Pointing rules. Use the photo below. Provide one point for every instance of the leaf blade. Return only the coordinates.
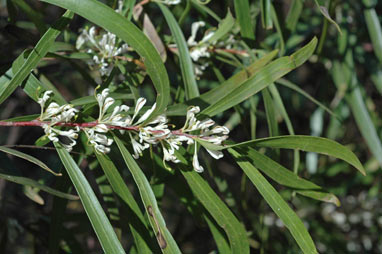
(165, 240)
(278, 205)
(262, 79)
(186, 65)
(100, 223)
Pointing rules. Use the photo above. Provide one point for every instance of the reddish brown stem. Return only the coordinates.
(89, 125)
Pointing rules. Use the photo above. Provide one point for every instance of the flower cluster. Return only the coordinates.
(143, 130)
(103, 47)
(54, 114)
(200, 50)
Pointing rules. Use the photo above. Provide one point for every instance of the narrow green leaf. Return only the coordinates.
(278, 204)
(186, 66)
(294, 14)
(374, 27)
(266, 16)
(322, 196)
(271, 114)
(266, 76)
(101, 224)
(218, 235)
(308, 144)
(356, 101)
(244, 18)
(165, 240)
(225, 26)
(36, 55)
(57, 215)
(108, 19)
(22, 118)
(281, 108)
(137, 223)
(325, 13)
(235, 231)
(279, 31)
(295, 87)
(214, 95)
(205, 10)
(28, 158)
(32, 86)
(29, 182)
(275, 171)
(219, 211)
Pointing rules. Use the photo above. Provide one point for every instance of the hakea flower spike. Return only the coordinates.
(142, 133)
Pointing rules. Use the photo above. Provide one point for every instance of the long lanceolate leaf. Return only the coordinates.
(28, 158)
(278, 204)
(107, 18)
(137, 223)
(32, 183)
(93, 209)
(35, 56)
(214, 95)
(347, 76)
(285, 177)
(277, 172)
(262, 79)
(374, 27)
(308, 144)
(244, 18)
(186, 66)
(219, 211)
(165, 240)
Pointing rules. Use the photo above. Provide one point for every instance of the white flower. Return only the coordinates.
(140, 103)
(81, 39)
(146, 114)
(44, 98)
(215, 154)
(215, 136)
(198, 52)
(190, 118)
(195, 161)
(104, 102)
(100, 142)
(101, 128)
(105, 47)
(169, 154)
(54, 112)
(137, 147)
(117, 117)
(194, 30)
(53, 135)
(120, 6)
